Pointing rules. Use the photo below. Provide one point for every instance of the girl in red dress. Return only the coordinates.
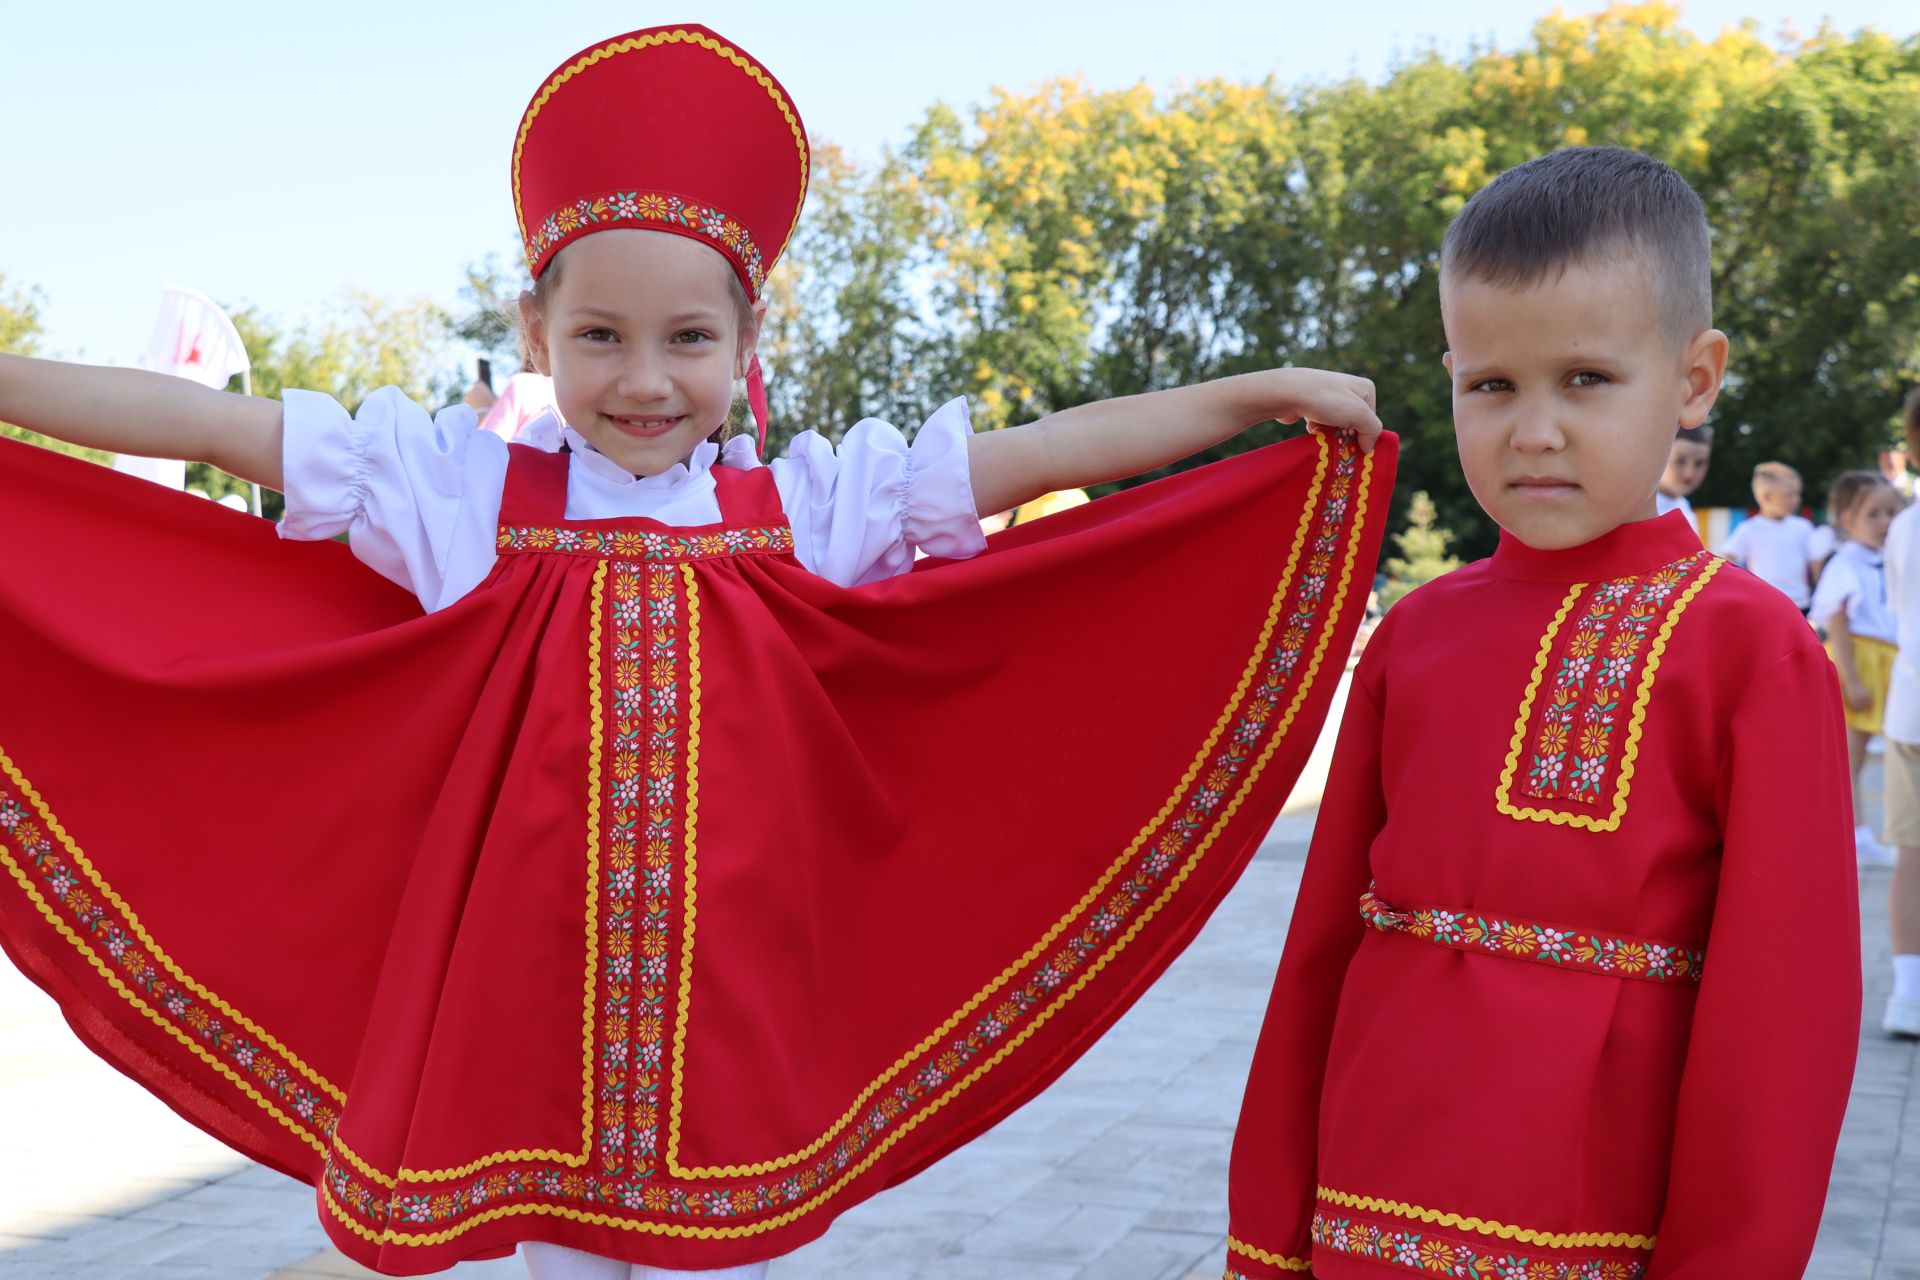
(612, 872)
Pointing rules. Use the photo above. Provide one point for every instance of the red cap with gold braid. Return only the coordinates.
(667, 129)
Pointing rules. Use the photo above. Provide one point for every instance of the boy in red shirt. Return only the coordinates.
(1572, 988)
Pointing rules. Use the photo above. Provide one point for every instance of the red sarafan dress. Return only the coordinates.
(1572, 988)
(655, 898)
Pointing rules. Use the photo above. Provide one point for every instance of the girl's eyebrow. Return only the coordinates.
(683, 317)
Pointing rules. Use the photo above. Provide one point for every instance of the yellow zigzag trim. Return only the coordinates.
(1434, 1217)
(140, 930)
(1631, 753)
(1087, 975)
(1271, 1259)
(1093, 895)
(687, 923)
(738, 59)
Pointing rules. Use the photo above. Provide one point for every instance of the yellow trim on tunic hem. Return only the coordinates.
(1504, 1231)
(1270, 1259)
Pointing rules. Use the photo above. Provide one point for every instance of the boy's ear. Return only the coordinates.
(1703, 367)
(1446, 362)
(534, 325)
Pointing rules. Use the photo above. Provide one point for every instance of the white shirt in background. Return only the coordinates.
(1775, 551)
(1663, 504)
(1902, 556)
(1855, 580)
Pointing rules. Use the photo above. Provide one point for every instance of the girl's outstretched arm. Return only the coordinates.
(1113, 439)
(147, 414)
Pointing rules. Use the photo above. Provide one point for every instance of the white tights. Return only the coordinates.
(554, 1262)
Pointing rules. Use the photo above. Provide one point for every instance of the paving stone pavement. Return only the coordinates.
(1117, 1172)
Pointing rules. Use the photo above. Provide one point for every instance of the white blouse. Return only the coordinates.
(419, 497)
(1855, 580)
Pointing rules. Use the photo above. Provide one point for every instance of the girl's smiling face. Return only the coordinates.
(643, 333)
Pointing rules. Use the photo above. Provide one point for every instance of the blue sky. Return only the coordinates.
(282, 154)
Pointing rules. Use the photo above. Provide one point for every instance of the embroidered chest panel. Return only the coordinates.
(1577, 735)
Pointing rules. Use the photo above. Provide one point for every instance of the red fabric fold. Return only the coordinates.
(658, 898)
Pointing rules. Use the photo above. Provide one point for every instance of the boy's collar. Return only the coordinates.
(1625, 552)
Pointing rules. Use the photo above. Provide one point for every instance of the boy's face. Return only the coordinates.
(1686, 468)
(1777, 499)
(1566, 395)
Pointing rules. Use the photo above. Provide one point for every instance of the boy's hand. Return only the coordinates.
(1328, 401)
(1859, 697)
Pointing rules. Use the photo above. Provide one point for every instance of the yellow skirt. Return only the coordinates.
(1873, 659)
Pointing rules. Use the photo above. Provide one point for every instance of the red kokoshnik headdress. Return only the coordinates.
(666, 129)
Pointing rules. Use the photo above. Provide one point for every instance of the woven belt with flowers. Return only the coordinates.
(1518, 939)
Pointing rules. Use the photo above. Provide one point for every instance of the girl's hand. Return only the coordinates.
(1328, 401)
(1859, 697)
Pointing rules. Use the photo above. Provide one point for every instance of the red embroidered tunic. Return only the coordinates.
(646, 926)
(1572, 988)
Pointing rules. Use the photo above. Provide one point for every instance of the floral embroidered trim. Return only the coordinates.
(638, 208)
(626, 544)
(1261, 1256)
(1275, 684)
(1571, 730)
(1432, 1252)
(1614, 954)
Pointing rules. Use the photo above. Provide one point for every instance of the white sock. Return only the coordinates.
(556, 1262)
(1863, 834)
(1906, 977)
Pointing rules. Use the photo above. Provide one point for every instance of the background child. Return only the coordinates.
(1500, 1042)
(1686, 470)
(1776, 545)
(1850, 608)
(456, 984)
(1902, 760)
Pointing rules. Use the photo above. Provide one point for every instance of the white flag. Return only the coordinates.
(194, 339)
(191, 339)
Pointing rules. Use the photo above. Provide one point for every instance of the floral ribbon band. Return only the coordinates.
(1616, 955)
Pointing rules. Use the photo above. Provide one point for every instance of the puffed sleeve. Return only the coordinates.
(395, 480)
(859, 512)
(1777, 1022)
(1271, 1186)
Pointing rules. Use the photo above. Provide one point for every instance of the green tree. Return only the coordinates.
(844, 336)
(489, 319)
(1423, 552)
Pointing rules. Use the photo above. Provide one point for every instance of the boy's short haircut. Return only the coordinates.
(1581, 205)
(1695, 435)
(1775, 473)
